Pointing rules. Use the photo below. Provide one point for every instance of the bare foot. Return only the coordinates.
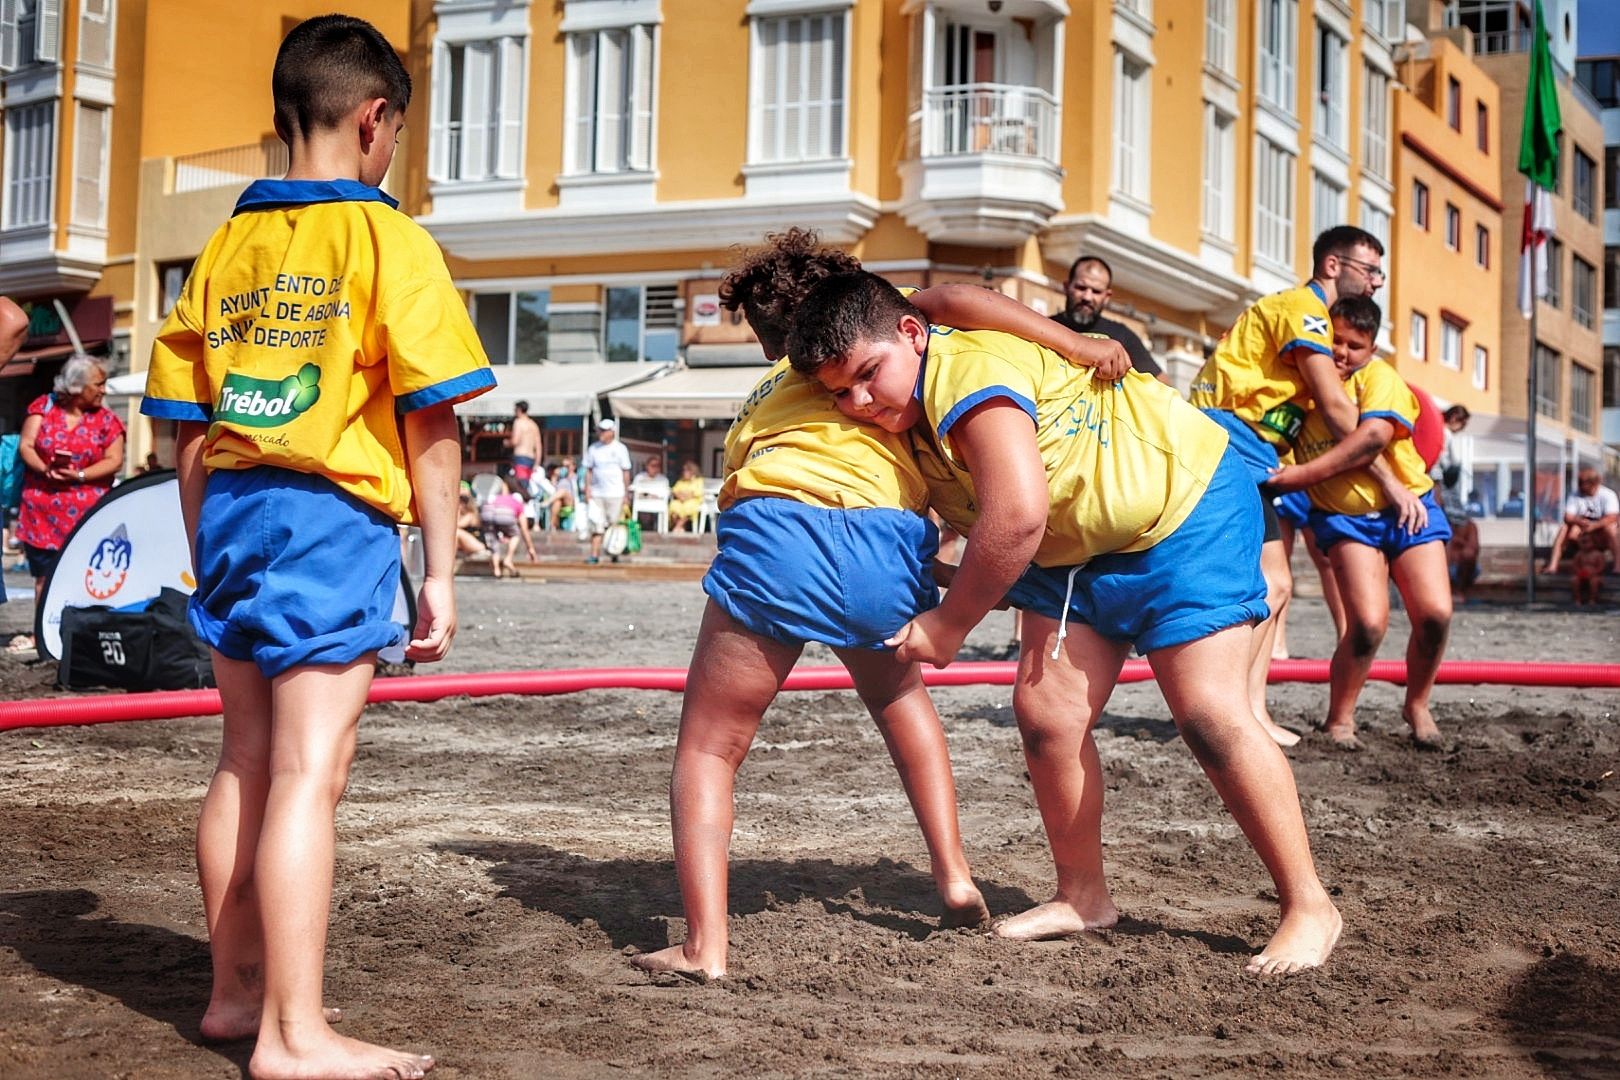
(1056, 919)
(1303, 941)
(330, 1056)
(1425, 733)
(1343, 736)
(1279, 651)
(675, 961)
(227, 1022)
(964, 907)
(1279, 734)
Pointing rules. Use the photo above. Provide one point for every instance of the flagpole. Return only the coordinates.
(1530, 450)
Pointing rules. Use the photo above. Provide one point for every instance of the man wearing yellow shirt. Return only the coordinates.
(1259, 384)
(1143, 529)
(1362, 533)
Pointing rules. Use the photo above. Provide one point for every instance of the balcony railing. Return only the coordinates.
(986, 118)
(231, 166)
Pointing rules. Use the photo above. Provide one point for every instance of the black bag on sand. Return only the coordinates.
(153, 649)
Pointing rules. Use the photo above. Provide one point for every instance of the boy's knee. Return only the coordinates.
(1429, 630)
(1364, 638)
(1279, 591)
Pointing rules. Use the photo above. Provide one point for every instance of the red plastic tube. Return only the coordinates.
(171, 704)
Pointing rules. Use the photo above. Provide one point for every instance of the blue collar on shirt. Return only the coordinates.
(1315, 287)
(271, 194)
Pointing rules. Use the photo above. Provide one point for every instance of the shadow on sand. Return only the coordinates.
(1565, 1010)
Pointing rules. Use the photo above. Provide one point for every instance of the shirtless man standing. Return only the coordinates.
(525, 443)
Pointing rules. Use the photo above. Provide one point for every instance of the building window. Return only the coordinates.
(1420, 204)
(1555, 273)
(515, 327)
(1547, 381)
(1453, 103)
(30, 164)
(1274, 209)
(1453, 228)
(1482, 247)
(1383, 18)
(1131, 126)
(1581, 380)
(477, 123)
(30, 33)
(1611, 377)
(1451, 344)
(1279, 21)
(1585, 194)
(1611, 178)
(1482, 367)
(1482, 127)
(1332, 85)
(1219, 172)
(96, 34)
(1218, 35)
(1558, 176)
(611, 100)
(1419, 345)
(1611, 279)
(642, 323)
(1376, 221)
(1375, 125)
(798, 88)
(1327, 204)
(92, 136)
(1583, 289)
(171, 282)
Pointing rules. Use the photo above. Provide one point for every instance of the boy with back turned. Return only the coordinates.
(312, 362)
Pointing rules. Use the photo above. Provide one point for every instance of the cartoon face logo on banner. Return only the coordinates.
(109, 565)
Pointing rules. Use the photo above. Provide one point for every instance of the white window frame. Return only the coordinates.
(1453, 227)
(1451, 344)
(43, 23)
(1482, 367)
(1220, 52)
(494, 86)
(1274, 210)
(834, 124)
(1378, 220)
(1133, 129)
(1375, 122)
(593, 147)
(1332, 86)
(30, 167)
(1329, 203)
(1220, 173)
(1418, 344)
(1275, 58)
(91, 174)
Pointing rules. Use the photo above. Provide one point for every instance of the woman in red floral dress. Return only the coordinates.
(73, 447)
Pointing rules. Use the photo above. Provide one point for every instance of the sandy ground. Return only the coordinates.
(499, 858)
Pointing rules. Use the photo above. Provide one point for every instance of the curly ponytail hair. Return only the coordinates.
(769, 283)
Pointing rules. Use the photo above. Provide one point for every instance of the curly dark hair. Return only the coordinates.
(769, 283)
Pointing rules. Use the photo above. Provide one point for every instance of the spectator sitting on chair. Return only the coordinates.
(564, 503)
(686, 499)
(1592, 509)
(468, 525)
(652, 475)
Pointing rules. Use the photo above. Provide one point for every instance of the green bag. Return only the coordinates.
(633, 545)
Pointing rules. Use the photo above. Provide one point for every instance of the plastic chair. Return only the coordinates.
(711, 504)
(484, 485)
(651, 499)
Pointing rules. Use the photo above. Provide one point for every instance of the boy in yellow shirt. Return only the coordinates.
(810, 505)
(1142, 529)
(1362, 533)
(311, 362)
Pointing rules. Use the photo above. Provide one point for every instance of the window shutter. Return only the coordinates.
(476, 109)
(793, 90)
(509, 161)
(95, 35)
(48, 35)
(612, 92)
(90, 166)
(439, 121)
(640, 105)
(8, 35)
(767, 80)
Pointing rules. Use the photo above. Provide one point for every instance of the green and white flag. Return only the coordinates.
(1538, 161)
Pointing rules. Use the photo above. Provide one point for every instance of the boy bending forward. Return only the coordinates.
(312, 362)
(1143, 531)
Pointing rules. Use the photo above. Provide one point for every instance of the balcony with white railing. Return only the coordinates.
(229, 166)
(982, 163)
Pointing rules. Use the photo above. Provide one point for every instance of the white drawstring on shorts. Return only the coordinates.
(1063, 622)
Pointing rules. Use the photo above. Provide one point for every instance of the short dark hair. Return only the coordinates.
(1361, 312)
(1082, 260)
(521, 406)
(840, 313)
(769, 284)
(1457, 412)
(1341, 240)
(330, 64)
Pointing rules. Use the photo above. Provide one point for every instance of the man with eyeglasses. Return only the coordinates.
(1273, 367)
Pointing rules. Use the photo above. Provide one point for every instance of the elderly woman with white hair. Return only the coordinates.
(73, 447)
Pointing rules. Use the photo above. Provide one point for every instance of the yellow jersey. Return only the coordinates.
(312, 319)
(1125, 462)
(790, 441)
(1250, 374)
(1377, 391)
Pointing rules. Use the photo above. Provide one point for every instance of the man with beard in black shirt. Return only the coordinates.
(1088, 289)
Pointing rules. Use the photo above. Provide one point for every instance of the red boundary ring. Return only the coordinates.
(172, 704)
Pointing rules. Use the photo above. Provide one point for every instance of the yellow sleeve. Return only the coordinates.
(177, 376)
(1303, 324)
(434, 355)
(1379, 391)
(967, 378)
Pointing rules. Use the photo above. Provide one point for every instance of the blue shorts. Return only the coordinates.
(1259, 458)
(796, 573)
(1379, 530)
(41, 561)
(293, 571)
(1294, 508)
(1201, 578)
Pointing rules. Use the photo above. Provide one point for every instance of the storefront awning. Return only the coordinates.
(555, 389)
(689, 394)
